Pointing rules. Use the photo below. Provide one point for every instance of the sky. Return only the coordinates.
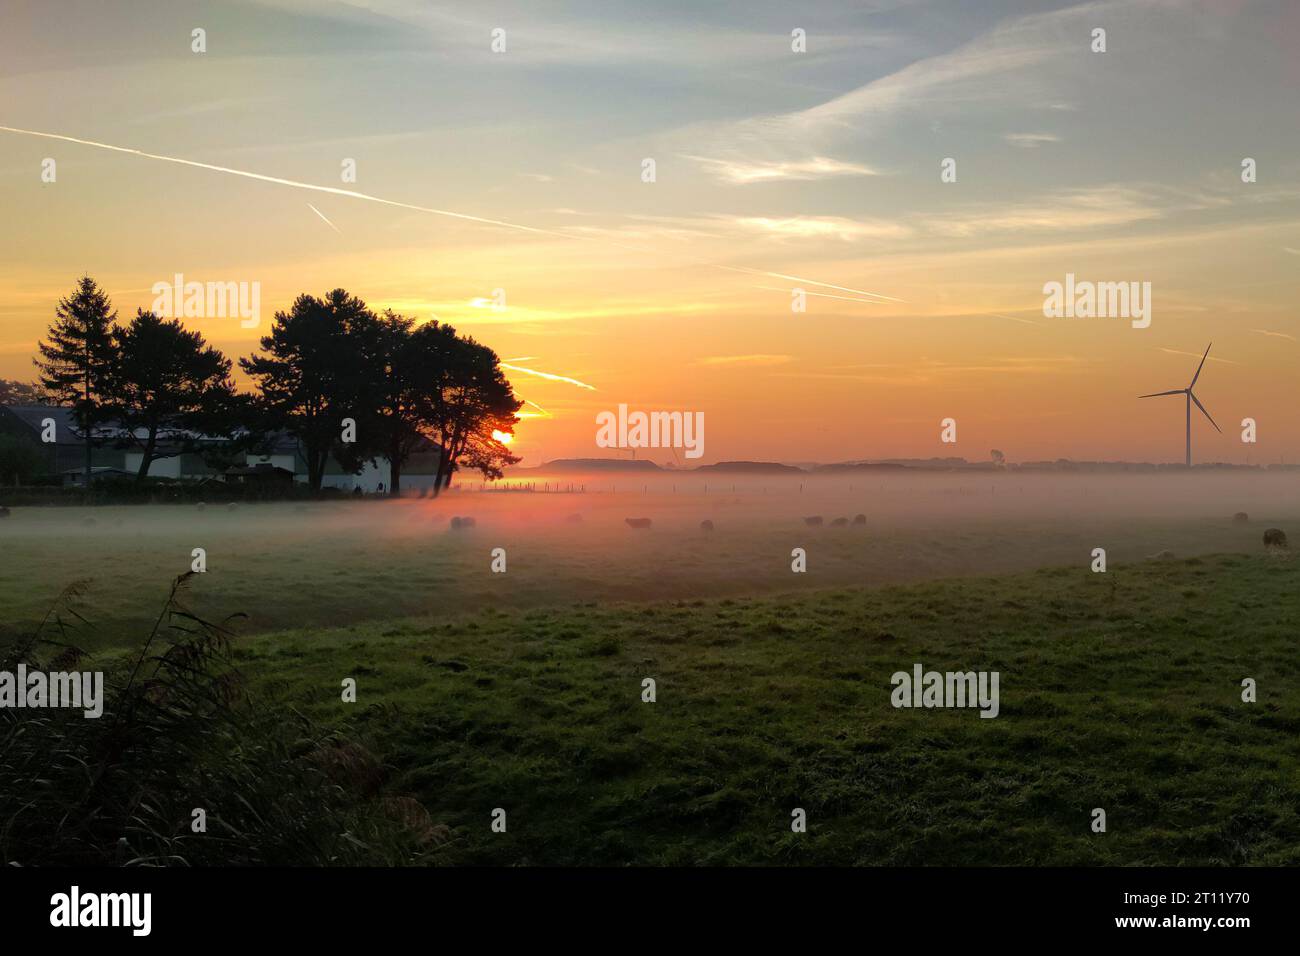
(523, 171)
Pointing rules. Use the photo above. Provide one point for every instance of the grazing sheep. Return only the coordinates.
(202, 506)
(1240, 518)
(1275, 539)
(637, 522)
(4, 512)
(1163, 556)
(461, 523)
(813, 522)
(89, 522)
(840, 523)
(706, 525)
(233, 506)
(859, 519)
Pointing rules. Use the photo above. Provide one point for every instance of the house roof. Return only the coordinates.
(66, 427)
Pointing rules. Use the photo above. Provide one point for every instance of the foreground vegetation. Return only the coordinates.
(183, 767)
(1120, 691)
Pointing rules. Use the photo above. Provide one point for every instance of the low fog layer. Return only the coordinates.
(334, 562)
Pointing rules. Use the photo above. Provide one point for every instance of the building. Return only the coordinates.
(65, 456)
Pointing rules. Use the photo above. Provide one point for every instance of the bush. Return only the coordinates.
(179, 732)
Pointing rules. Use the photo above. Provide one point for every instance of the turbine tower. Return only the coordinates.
(1190, 397)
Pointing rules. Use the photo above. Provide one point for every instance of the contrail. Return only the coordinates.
(353, 194)
(825, 295)
(548, 376)
(824, 285)
(1193, 355)
(544, 412)
(332, 190)
(322, 215)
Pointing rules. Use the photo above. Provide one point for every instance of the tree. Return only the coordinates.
(77, 360)
(410, 361)
(167, 385)
(473, 401)
(21, 393)
(322, 364)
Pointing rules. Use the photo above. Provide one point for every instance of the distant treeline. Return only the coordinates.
(153, 385)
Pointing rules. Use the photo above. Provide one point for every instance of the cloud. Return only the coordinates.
(1031, 140)
(1280, 335)
(1111, 205)
(996, 66)
(745, 360)
(742, 172)
(822, 227)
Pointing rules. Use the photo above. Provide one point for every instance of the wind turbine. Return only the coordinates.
(1190, 398)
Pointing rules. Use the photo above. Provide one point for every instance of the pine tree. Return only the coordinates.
(78, 356)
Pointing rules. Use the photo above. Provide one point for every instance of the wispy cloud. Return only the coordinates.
(1111, 205)
(821, 227)
(1280, 335)
(354, 194)
(745, 360)
(751, 171)
(1031, 140)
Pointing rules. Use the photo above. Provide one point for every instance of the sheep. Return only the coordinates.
(840, 523)
(859, 519)
(637, 522)
(813, 522)
(1240, 518)
(1275, 540)
(706, 525)
(461, 523)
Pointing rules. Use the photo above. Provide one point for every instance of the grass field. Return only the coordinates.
(524, 690)
(1119, 691)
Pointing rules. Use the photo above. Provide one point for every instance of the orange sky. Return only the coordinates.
(824, 166)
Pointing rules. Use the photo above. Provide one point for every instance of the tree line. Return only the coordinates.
(151, 384)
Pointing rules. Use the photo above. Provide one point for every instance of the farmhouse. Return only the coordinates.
(62, 460)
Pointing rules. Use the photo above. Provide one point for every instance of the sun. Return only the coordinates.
(504, 438)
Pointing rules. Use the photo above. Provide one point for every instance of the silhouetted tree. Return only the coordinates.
(473, 400)
(320, 367)
(21, 393)
(167, 385)
(412, 361)
(78, 355)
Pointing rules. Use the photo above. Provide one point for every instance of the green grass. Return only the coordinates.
(1118, 690)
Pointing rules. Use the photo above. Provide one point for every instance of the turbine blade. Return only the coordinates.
(1176, 391)
(1201, 366)
(1207, 414)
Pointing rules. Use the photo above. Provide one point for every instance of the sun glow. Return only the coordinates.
(504, 438)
